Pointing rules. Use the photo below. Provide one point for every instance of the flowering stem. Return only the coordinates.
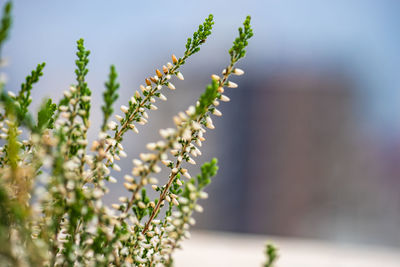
(146, 100)
(163, 194)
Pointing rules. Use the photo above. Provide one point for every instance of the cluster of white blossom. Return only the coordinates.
(52, 188)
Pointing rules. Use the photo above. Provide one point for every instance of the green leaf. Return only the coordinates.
(45, 116)
(208, 170)
(207, 98)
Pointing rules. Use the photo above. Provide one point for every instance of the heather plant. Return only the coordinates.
(52, 181)
(271, 254)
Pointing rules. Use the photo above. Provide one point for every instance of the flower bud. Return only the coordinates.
(158, 72)
(174, 59)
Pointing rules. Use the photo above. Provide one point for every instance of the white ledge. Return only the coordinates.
(208, 249)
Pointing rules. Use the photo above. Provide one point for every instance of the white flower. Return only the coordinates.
(203, 195)
(198, 208)
(198, 152)
(156, 168)
(216, 112)
(176, 222)
(166, 162)
(141, 205)
(215, 77)
(137, 162)
(232, 84)
(224, 98)
(112, 180)
(171, 86)
(191, 187)
(187, 175)
(124, 109)
(151, 146)
(102, 135)
(191, 110)
(124, 251)
(192, 221)
(119, 118)
(237, 71)
(63, 108)
(142, 121)
(209, 123)
(187, 134)
(112, 125)
(130, 186)
(86, 98)
(129, 178)
(164, 133)
(183, 200)
(176, 203)
(97, 193)
(123, 199)
(116, 206)
(133, 127)
(153, 180)
(180, 76)
(65, 115)
(163, 97)
(177, 214)
(67, 94)
(177, 121)
(82, 142)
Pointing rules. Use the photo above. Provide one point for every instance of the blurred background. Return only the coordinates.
(309, 145)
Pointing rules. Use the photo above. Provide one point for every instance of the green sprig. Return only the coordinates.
(109, 96)
(271, 253)
(208, 170)
(207, 98)
(45, 116)
(12, 108)
(6, 21)
(238, 49)
(81, 71)
(200, 36)
(24, 97)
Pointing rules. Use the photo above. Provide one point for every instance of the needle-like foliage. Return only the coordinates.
(51, 187)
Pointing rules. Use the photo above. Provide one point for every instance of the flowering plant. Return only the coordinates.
(51, 186)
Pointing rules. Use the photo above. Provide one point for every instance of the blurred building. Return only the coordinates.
(299, 164)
